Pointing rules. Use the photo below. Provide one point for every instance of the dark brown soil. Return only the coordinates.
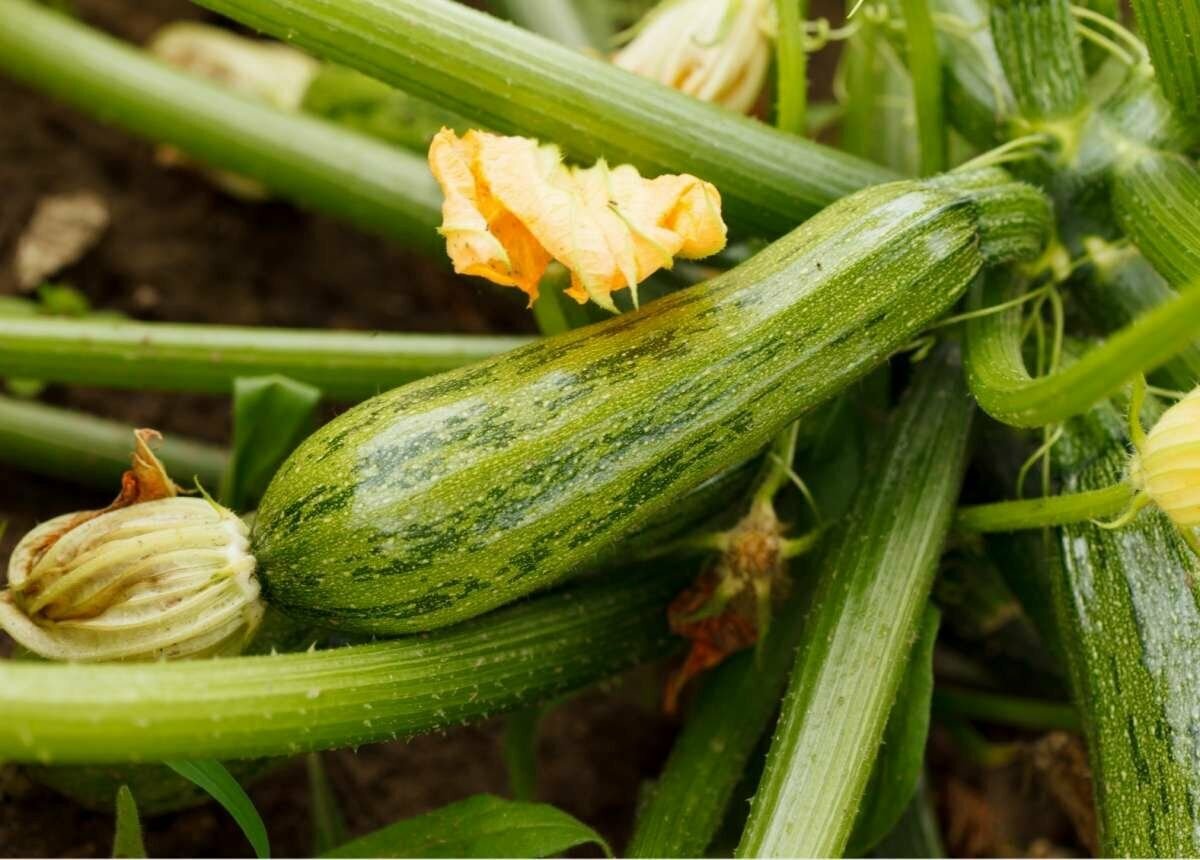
(179, 250)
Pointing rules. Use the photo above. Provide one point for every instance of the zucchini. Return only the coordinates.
(440, 500)
(1126, 609)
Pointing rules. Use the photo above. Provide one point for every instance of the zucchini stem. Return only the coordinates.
(508, 79)
(88, 450)
(1002, 385)
(244, 707)
(208, 358)
(1048, 511)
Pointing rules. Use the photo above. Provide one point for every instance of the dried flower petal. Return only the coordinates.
(511, 206)
(64, 227)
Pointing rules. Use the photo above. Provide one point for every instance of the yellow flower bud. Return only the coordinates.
(511, 206)
(163, 579)
(1167, 465)
(715, 50)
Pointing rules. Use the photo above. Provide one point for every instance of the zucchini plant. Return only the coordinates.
(411, 531)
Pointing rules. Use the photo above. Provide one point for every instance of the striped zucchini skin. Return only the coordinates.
(444, 498)
(1127, 614)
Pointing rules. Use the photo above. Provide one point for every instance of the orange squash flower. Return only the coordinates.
(511, 206)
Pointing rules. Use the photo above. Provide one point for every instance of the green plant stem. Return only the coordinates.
(868, 603)
(520, 752)
(791, 67)
(282, 704)
(1041, 55)
(1048, 511)
(1123, 286)
(1171, 29)
(1001, 383)
(685, 806)
(514, 81)
(184, 357)
(93, 451)
(1033, 714)
(314, 163)
(925, 66)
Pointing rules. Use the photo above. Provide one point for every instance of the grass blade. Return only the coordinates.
(329, 825)
(520, 752)
(480, 826)
(127, 841)
(217, 781)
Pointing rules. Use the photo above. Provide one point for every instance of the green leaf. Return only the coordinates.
(480, 826)
(917, 833)
(901, 758)
(127, 841)
(216, 780)
(520, 751)
(329, 825)
(271, 416)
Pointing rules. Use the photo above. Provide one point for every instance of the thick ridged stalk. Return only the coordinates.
(687, 803)
(1125, 603)
(514, 81)
(183, 357)
(1002, 385)
(243, 707)
(92, 451)
(1040, 54)
(1171, 29)
(1156, 198)
(314, 163)
(867, 607)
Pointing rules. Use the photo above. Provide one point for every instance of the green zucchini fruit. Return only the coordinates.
(1041, 56)
(1126, 609)
(1156, 198)
(440, 500)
